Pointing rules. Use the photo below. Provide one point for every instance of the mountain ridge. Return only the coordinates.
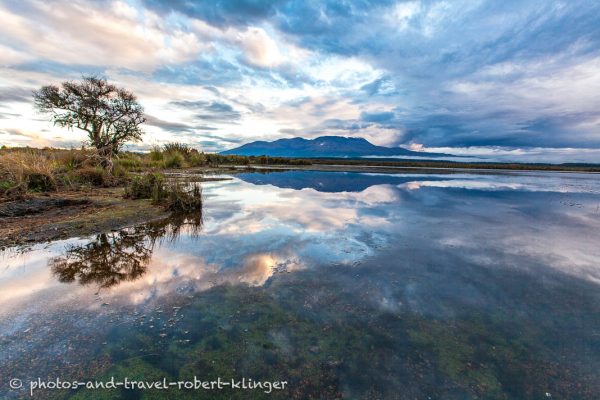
(323, 147)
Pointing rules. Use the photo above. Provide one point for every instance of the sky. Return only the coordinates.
(514, 80)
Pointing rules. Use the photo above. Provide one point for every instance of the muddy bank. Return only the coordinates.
(51, 216)
(62, 215)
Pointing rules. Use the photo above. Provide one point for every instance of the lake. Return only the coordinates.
(342, 284)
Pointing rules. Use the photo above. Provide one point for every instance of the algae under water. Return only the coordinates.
(345, 285)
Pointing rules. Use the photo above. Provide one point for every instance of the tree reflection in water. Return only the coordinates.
(115, 257)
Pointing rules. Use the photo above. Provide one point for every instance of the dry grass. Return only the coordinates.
(24, 171)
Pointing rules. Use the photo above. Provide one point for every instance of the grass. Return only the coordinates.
(183, 149)
(174, 160)
(183, 197)
(30, 170)
(27, 170)
(147, 186)
(176, 196)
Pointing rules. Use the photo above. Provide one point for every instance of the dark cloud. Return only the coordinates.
(176, 126)
(220, 12)
(500, 129)
(207, 72)
(343, 125)
(15, 94)
(381, 86)
(427, 47)
(378, 117)
(210, 110)
(486, 73)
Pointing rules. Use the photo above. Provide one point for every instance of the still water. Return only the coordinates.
(345, 285)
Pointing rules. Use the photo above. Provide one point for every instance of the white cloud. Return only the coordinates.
(84, 33)
(259, 48)
(401, 14)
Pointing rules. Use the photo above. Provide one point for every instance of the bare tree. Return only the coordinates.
(110, 115)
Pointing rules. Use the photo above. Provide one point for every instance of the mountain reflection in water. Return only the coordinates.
(329, 182)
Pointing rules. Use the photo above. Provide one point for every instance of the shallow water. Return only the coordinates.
(345, 285)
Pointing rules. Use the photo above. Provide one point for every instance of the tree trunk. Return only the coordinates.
(105, 155)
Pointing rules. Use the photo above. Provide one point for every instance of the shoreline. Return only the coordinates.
(45, 217)
(64, 215)
(395, 169)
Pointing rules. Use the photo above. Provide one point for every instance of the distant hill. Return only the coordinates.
(323, 147)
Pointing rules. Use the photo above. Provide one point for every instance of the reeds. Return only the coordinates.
(175, 195)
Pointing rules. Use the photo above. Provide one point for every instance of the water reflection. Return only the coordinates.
(329, 182)
(444, 285)
(106, 261)
(112, 258)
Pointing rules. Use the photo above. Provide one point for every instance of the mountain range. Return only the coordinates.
(324, 147)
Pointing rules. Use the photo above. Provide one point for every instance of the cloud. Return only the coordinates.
(15, 94)
(219, 13)
(380, 86)
(260, 49)
(379, 117)
(514, 74)
(90, 33)
(210, 110)
(176, 126)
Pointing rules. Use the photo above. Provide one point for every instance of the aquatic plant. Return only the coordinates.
(177, 196)
(182, 197)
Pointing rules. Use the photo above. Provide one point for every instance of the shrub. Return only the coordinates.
(197, 159)
(28, 170)
(156, 154)
(174, 160)
(147, 186)
(182, 198)
(90, 176)
(39, 181)
(181, 148)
